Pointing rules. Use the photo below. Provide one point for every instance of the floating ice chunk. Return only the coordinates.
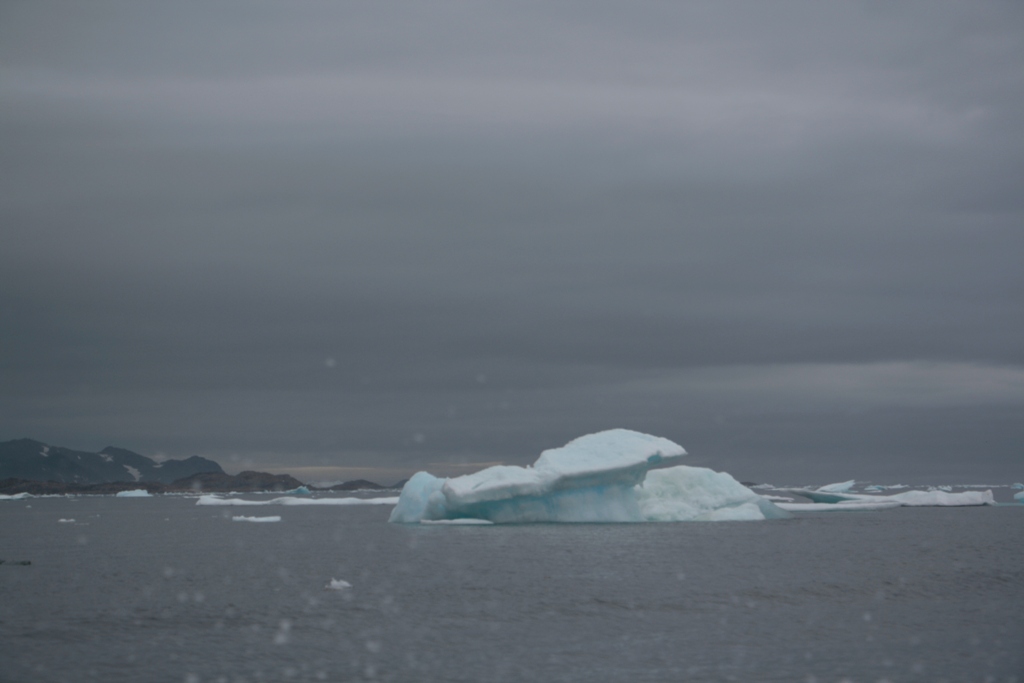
(819, 496)
(852, 505)
(1018, 485)
(300, 491)
(840, 487)
(338, 585)
(134, 493)
(242, 518)
(65, 521)
(1019, 497)
(943, 498)
(933, 498)
(217, 500)
(16, 496)
(390, 500)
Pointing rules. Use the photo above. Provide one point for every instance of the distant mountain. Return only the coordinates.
(37, 461)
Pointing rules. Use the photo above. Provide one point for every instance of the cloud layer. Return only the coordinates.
(320, 235)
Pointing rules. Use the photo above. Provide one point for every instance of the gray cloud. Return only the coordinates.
(509, 225)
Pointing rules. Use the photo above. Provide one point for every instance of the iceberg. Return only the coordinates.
(134, 493)
(1019, 497)
(243, 518)
(602, 477)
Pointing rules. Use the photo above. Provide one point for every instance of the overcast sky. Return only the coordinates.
(361, 239)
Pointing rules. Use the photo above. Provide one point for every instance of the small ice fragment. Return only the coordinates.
(338, 585)
(65, 521)
(243, 518)
(134, 493)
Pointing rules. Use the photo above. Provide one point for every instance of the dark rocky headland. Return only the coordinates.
(29, 466)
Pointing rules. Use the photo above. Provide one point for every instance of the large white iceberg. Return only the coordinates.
(601, 477)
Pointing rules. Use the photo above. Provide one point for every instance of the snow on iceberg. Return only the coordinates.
(134, 493)
(600, 477)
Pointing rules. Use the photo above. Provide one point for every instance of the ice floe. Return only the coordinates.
(602, 477)
(288, 500)
(932, 498)
(854, 505)
(134, 493)
(338, 585)
(242, 518)
(840, 487)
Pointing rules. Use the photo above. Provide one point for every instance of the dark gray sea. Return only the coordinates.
(159, 589)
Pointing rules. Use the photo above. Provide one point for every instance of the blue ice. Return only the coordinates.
(602, 477)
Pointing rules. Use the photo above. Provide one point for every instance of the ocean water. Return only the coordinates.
(159, 589)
